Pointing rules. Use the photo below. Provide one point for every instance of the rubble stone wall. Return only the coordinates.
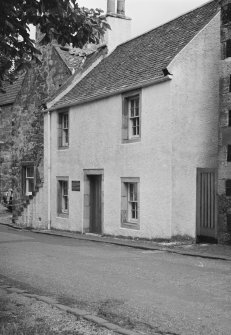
(224, 167)
(40, 82)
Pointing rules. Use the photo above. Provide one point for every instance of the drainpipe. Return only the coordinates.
(49, 168)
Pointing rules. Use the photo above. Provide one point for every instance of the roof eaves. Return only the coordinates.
(109, 94)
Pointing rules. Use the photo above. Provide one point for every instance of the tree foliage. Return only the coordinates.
(62, 20)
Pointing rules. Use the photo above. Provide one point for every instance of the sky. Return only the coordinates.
(148, 14)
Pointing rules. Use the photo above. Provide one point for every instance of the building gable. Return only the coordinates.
(141, 59)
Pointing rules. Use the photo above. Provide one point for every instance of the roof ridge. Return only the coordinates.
(163, 24)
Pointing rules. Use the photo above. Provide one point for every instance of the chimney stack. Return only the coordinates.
(120, 24)
(110, 6)
(121, 7)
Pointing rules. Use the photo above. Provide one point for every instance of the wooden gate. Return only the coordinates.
(206, 205)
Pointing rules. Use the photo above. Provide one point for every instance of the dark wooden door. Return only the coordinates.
(95, 204)
(206, 204)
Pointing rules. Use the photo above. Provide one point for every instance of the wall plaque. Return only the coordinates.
(75, 185)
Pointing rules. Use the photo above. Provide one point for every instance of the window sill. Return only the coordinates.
(63, 215)
(129, 225)
(63, 148)
(132, 140)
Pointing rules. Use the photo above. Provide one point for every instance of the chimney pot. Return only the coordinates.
(121, 7)
(110, 6)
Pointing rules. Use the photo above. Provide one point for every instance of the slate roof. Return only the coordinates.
(140, 59)
(89, 59)
(11, 90)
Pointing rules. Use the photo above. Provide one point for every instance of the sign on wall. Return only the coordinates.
(75, 185)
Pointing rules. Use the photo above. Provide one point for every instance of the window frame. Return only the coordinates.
(63, 129)
(131, 122)
(229, 118)
(63, 196)
(26, 178)
(228, 48)
(228, 153)
(130, 205)
(228, 187)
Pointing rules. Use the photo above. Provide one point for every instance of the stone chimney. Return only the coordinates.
(120, 24)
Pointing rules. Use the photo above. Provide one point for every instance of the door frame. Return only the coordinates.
(86, 200)
(198, 203)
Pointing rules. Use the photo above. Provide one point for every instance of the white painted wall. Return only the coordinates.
(195, 112)
(179, 134)
(96, 143)
(120, 31)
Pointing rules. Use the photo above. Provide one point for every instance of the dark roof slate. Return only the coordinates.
(83, 66)
(11, 91)
(141, 59)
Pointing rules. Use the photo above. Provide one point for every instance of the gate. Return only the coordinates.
(206, 205)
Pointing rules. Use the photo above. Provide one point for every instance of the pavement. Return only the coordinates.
(187, 248)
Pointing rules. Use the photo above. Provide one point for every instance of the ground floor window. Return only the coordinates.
(62, 197)
(130, 212)
(28, 179)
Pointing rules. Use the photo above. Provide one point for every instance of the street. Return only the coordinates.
(148, 291)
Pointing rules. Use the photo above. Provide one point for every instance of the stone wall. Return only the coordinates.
(27, 122)
(224, 167)
(5, 148)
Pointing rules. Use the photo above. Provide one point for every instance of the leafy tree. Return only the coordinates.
(62, 20)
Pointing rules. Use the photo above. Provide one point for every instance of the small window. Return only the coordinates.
(228, 187)
(63, 130)
(63, 199)
(229, 120)
(28, 180)
(229, 153)
(130, 202)
(131, 118)
(228, 48)
(134, 117)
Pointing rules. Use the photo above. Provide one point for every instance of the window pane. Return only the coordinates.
(228, 48)
(229, 153)
(65, 203)
(63, 198)
(228, 187)
(30, 185)
(63, 131)
(30, 171)
(65, 121)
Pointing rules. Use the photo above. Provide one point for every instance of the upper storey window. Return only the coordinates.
(63, 130)
(131, 127)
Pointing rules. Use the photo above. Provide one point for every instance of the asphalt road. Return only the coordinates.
(152, 292)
